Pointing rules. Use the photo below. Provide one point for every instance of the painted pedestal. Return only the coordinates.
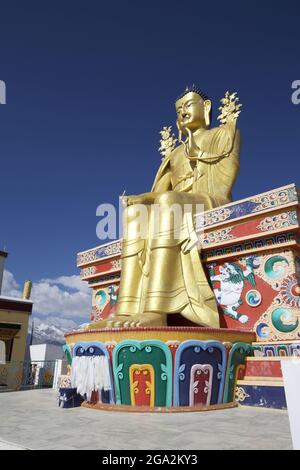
(250, 249)
(182, 367)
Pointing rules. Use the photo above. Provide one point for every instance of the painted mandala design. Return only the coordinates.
(109, 250)
(116, 264)
(290, 291)
(87, 271)
(216, 237)
(277, 323)
(102, 252)
(274, 199)
(278, 221)
(274, 268)
(212, 217)
(87, 257)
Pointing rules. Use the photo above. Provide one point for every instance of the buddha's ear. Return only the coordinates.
(207, 110)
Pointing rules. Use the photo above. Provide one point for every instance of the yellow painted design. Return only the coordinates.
(134, 390)
(165, 335)
(240, 394)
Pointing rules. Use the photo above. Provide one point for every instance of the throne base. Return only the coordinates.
(166, 369)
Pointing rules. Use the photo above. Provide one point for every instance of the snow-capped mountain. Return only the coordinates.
(50, 331)
(44, 333)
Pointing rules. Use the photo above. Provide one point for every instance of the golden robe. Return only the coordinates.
(159, 274)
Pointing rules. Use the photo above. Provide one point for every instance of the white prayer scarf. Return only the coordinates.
(89, 374)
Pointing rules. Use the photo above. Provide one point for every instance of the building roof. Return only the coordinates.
(17, 304)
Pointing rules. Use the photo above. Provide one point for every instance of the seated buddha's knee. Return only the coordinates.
(130, 213)
(135, 222)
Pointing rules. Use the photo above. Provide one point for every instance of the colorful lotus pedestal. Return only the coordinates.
(181, 367)
(251, 252)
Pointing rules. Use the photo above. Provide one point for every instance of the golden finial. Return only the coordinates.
(167, 141)
(27, 290)
(230, 108)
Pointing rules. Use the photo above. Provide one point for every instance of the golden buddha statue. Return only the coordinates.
(163, 274)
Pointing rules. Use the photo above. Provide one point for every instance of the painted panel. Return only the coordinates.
(237, 358)
(104, 302)
(142, 384)
(252, 205)
(259, 292)
(201, 384)
(262, 396)
(263, 368)
(285, 220)
(154, 353)
(190, 356)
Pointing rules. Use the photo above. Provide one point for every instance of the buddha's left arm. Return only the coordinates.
(225, 141)
(163, 184)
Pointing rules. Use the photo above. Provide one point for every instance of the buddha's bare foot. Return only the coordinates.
(97, 325)
(131, 321)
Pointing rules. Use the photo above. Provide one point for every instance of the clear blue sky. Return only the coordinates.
(91, 83)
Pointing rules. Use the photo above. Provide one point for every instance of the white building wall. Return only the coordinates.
(45, 352)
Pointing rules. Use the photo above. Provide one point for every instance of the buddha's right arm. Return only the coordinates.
(145, 198)
(162, 185)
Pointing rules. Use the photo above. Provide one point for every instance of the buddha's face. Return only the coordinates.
(191, 112)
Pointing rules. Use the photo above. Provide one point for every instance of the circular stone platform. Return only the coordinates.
(161, 409)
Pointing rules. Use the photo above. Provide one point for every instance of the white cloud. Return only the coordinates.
(72, 282)
(10, 287)
(52, 297)
(64, 296)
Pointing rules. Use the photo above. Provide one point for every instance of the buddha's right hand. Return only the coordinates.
(146, 198)
(191, 148)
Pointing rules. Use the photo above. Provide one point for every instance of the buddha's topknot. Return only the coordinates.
(193, 89)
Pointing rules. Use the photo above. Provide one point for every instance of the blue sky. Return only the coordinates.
(89, 86)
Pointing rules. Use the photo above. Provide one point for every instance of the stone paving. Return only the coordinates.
(4, 445)
(33, 420)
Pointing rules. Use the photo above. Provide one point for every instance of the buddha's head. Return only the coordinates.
(193, 110)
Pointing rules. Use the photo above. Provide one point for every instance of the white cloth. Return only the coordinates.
(290, 367)
(89, 374)
(2, 352)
